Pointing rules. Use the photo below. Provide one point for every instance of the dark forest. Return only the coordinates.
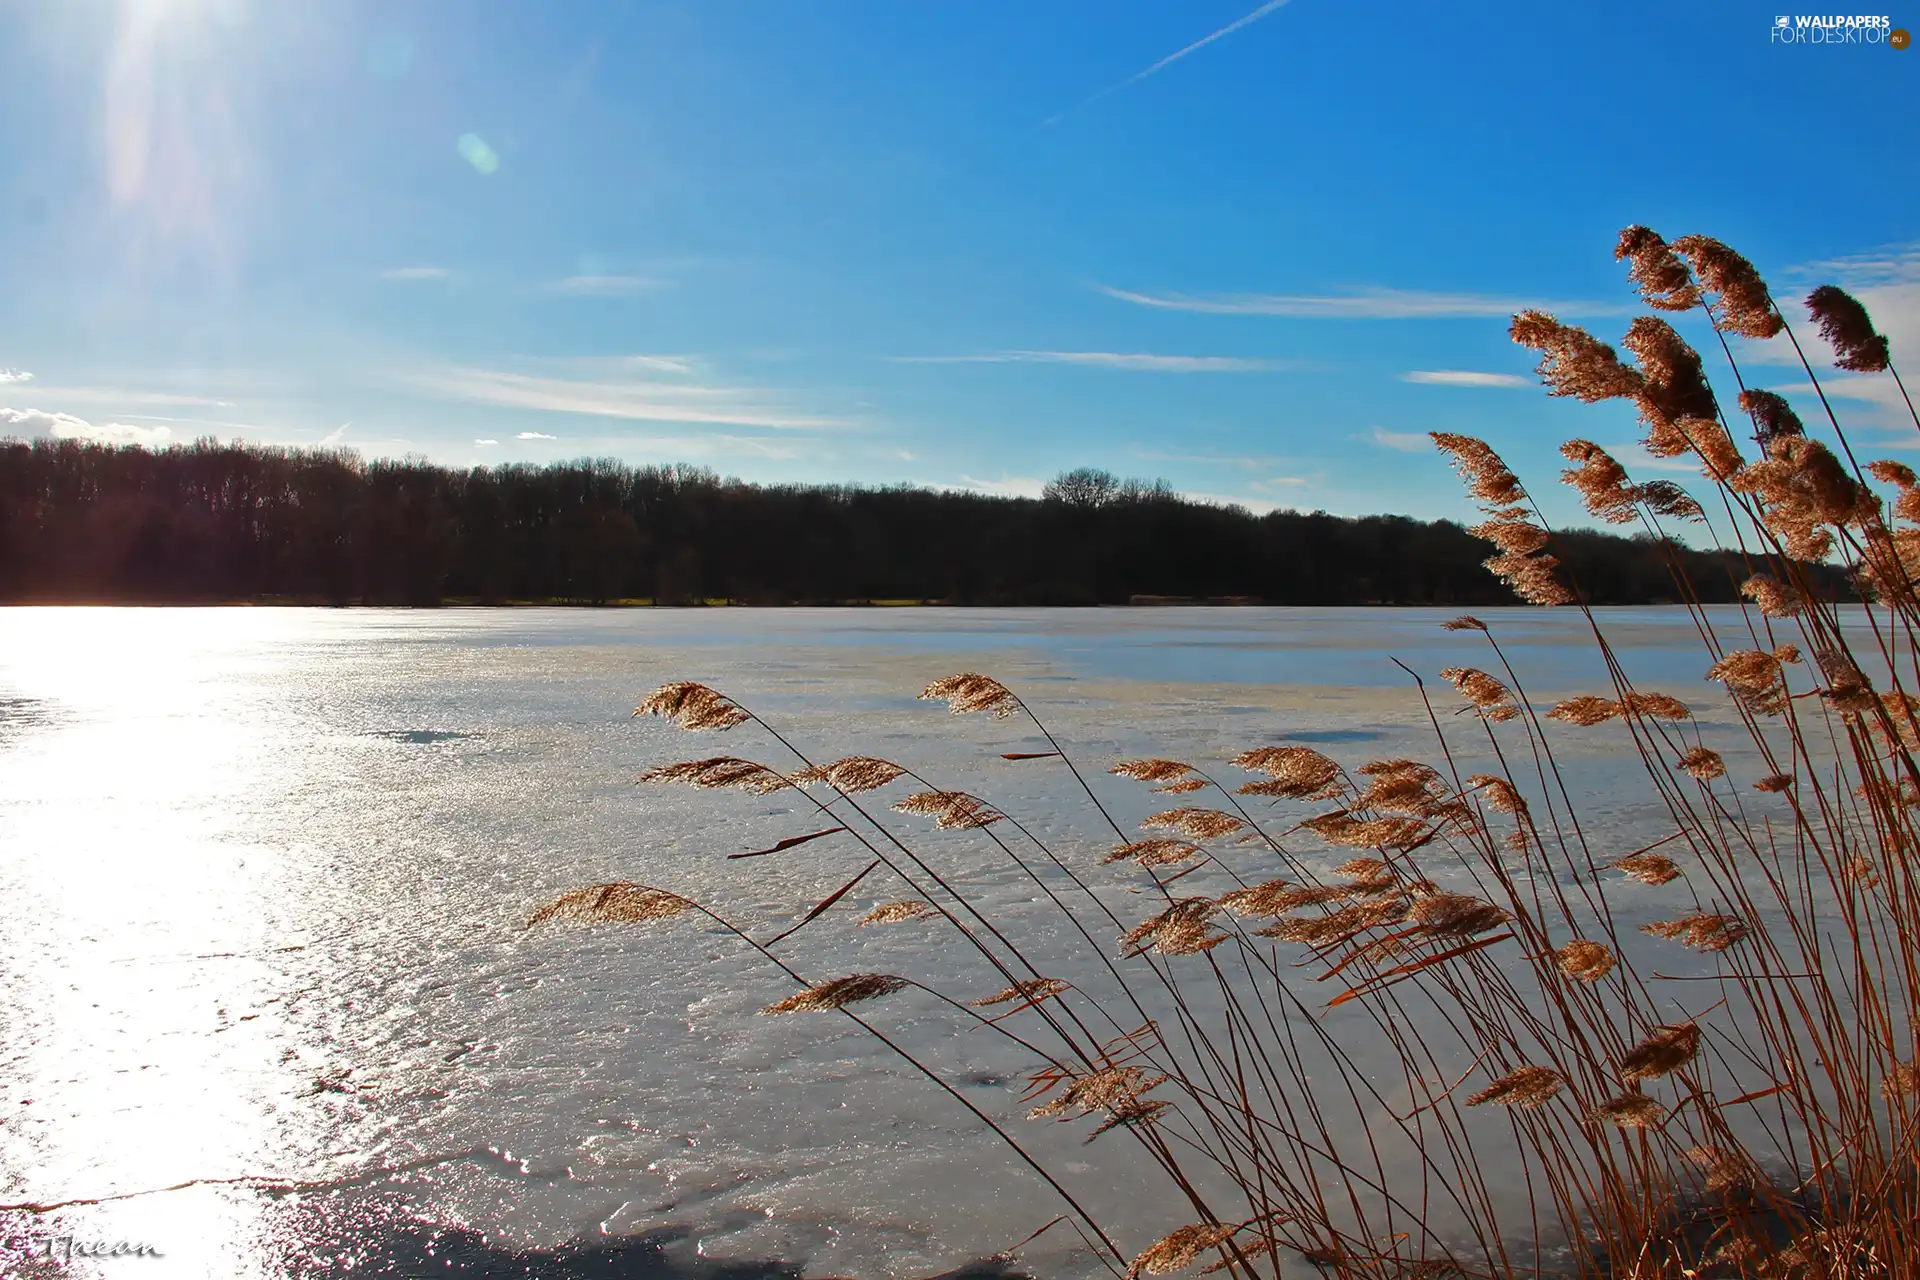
(217, 523)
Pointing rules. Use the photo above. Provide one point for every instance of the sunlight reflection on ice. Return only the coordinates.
(267, 871)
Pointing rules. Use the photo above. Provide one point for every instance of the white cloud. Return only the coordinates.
(1006, 486)
(1112, 360)
(1465, 378)
(1636, 460)
(486, 442)
(605, 286)
(1404, 441)
(535, 435)
(334, 436)
(1885, 280)
(416, 273)
(14, 375)
(1258, 506)
(613, 392)
(39, 424)
(1360, 304)
(1870, 388)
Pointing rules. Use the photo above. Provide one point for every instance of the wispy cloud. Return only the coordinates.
(39, 424)
(124, 396)
(1900, 443)
(1255, 462)
(718, 446)
(623, 366)
(1135, 360)
(605, 286)
(1890, 264)
(1635, 458)
(535, 435)
(486, 442)
(1465, 378)
(1360, 304)
(415, 273)
(620, 390)
(1244, 20)
(1404, 441)
(334, 436)
(14, 375)
(1868, 388)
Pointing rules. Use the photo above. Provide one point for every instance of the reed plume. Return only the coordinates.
(852, 774)
(1734, 289)
(1775, 598)
(1756, 678)
(1657, 271)
(1665, 498)
(1572, 361)
(1649, 868)
(838, 993)
(720, 771)
(1181, 930)
(1158, 852)
(1299, 772)
(1525, 1088)
(1031, 990)
(692, 705)
(619, 903)
(1772, 415)
(1460, 914)
(1106, 1089)
(1179, 1249)
(1601, 482)
(1849, 330)
(1584, 960)
(897, 912)
(1704, 763)
(951, 810)
(1664, 1052)
(1197, 824)
(1630, 1111)
(1491, 699)
(1677, 405)
(969, 692)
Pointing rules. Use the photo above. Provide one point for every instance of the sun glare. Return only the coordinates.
(175, 154)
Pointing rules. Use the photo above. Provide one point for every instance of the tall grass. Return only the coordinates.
(1394, 1019)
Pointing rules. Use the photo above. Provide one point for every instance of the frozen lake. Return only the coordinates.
(266, 871)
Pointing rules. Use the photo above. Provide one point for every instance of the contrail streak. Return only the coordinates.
(1244, 20)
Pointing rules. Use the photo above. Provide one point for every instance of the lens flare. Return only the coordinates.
(474, 150)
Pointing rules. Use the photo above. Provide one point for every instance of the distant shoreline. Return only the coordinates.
(234, 524)
(1154, 602)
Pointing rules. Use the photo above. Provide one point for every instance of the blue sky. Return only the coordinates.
(1254, 250)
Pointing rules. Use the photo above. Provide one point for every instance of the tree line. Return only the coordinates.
(210, 522)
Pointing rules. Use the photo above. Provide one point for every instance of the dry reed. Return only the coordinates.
(1756, 1114)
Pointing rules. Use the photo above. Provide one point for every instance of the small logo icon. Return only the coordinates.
(1899, 38)
(1784, 20)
